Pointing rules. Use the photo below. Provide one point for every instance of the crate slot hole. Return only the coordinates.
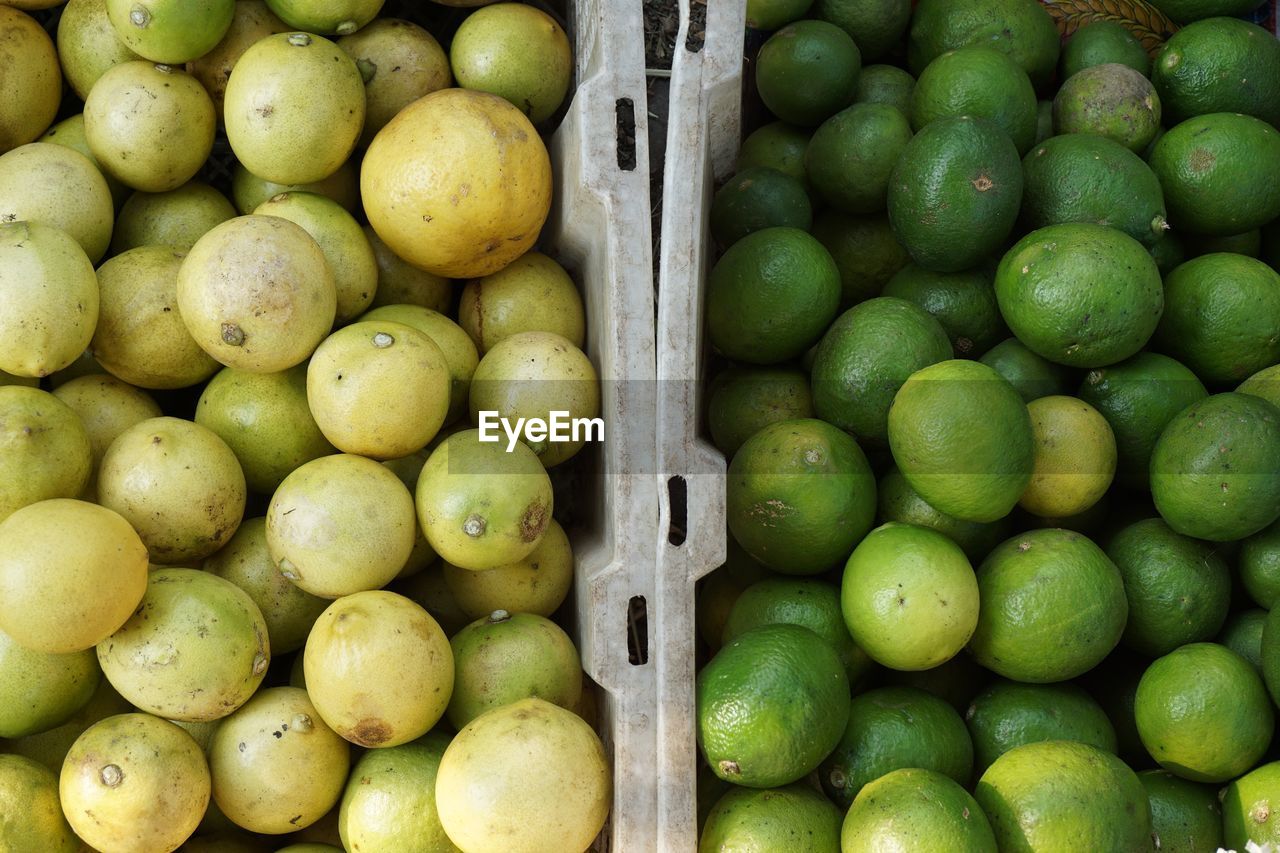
(678, 501)
(696, 35)
(625, 117)
(638, 631)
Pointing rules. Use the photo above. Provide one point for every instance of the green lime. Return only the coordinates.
(963, 302)
(885, 84)
(40, 690)
(1083, 177)
(876, 26)
(1103, 42)
(1265, 384)
(1215, 470)
(755, 199)
(852, 154)
(899, 502)
(961, 435)
(1080, 294)
(1203, 713)
(909, 597)
(1259, 565)
(1243, 635)
(1053, 607)
(1075, 458)
(892, 728)
(807, 71)
(1110, 100)
(1020, 28)
(1064, 795)
(794, 817)
(175, 218)
(1139, 397)
(955, 682)
(768, 15)
(771, 705)
(719, 591)
(800, 496)
(1221, 317)
(865, 249)
(743, 400)
(1220, 65)
(982, 82)
(1271, 652)
(170, 31)
(1247, 243)
(1007, 715)
(1168, 252)
(955, 192)
(1044, 120)
(771, 295)
(1030, 375)
(813, 604)
(918, 810)
(1177, 587)
(1220, 173)
(775, 146)
(390, 802)
(1185, 816)
(865, 357)
(1248, 808)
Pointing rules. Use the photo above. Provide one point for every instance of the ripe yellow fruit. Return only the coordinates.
(58, 186)
(457, 184)
(30, 79)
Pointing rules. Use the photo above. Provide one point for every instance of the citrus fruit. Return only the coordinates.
(776, 145)
(1075, 457)
(1242, 633)
(955, 682)
(69, 133)
(1265, 384)
(866, 252)
(356, 673)
(852, 154)
(264, 419)
(885, 84)
(771, 706)
(1080, 294)
(1020, 28)
(800, 496)
(954, 193)
(875, 26)
(390, 799)
(341, 18)
(407, 468)
(915, 809)
(276, 737)
(962, 437)
(1188, 11)
(293, 108)
(251, 21)
(1213, 469)
(1221, 315)
(175, 218)
(771, 14)
(33, 820)
(1112, 101)
(1168, 252)
(1139, 397)
(981, 82)
(909, 597)
(32, 86)
(543, 764)
(88, 44)
(400, 62)
(865, 357)
(806, 72)
(343, 186)
(39, 690)
(758, 198)
(345, 247)
(813, 604)
(719, 591)
(50, 295)
(170, 31)
(257, 294)
(1192, 71)
(1103, 42)
(891, 728)
(1178, 588)
(771, 295)
(63, 593)
(162, 139)
(458, 183)
(47, 449)
(1083, 177)
(901, 503)
(794, 817)
(1271, 654)
(1203, 713)
(963, 302)
(1259, 565)
(1007, 715)
(516, 52)
(1217, 173)
(743, 400)
(1053, 607)
(402, 284)
(1030, 375)
(58, 186)
(531, 294)
(195, 649)
(455, 344)
(107, 406)
(1064, 795)
(537, 584)
(1185, 816)
(1248, 813)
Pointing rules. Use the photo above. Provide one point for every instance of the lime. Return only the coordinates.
(537, 584)
(865, 250)
(981, 82)
(390, 801)
(58, 186)
(170, 31)
(758, 198)
(48, 451)
(777, 146)
(1053, 607)
(400, 62)
(963, 302)
(1020, 28)
(885, 84)
(915, 809)
(955, 682)
(899, 502)
(1100, 42)
(33, 88)
(1259, 565)
(1248, 811)
(517, 52)
(341, 18)
(1219, 65)
(455, 344)
(770, 14)
(1265, 384)
(851, 155)
(88, 44)
(743, 400)
(1075, 457)
(771, 705)
(876, 26)
(1030, 375)
(794, 817)
(807, 71)
(531, 294)
(718, 591)
(1242, 633)
(175, 218)
(1185, 816)
(33, 820)
(1008, 715)
(1110, 100)
(39, 690)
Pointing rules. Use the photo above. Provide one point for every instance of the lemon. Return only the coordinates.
(57, 186)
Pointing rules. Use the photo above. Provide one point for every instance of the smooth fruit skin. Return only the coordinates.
(964, 303)
(170, 31)
(251, 21)
(1030, 375)
(48, 453)
(39, 691)
(1214, 469)
(1009, 714)
(794, 817)
(980, 82)
(807, 71)
(1185, 817)
(531, 294)
(1101, 42)
(400, 62)
(955, 192)
(390, 799)
(755, 199)
(1203, 713)
(915, 809)
(1248, 811)
(32, 87)
(865, 250)
(58, 186)
(516, 52)
(744, 400)
(1219, 65)
(1020, 28)
(852, 154)
(175, 218)
(897, 501)
(33, 820)
(537, 584)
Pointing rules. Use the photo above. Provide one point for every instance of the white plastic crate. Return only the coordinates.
(599, 229)
(704, 131)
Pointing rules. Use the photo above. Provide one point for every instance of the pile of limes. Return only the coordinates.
(997, 325)
(262, 586)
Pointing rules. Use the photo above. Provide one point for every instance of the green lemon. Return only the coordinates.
(1185, 816)
(915, 809)
(794, 817)
(1007, 715)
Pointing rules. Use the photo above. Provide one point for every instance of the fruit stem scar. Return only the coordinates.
(299, 39)
(983, 183)
(498, 616)
(474, 526)
(232, 335)
(382, 340)
(302, 723)
(259, 663)
(111, 775)
(139, 16)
